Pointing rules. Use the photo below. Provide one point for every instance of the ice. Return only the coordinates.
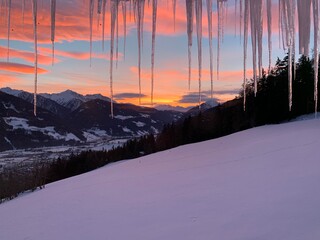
(304, 23)
(8, 29)
(53, 26)
(198, 7)
(287, 9)
(103, 22)
(189, 13)
(245, 49)
(269, 20)
(174, 5)
(139, 13)
(35, 34)
(221, 18)
(315, 5)
(99, 8)
(124, 15)
(209, 13)
(114, 16)
(154, 27)
(91, 8)
(256, 23)
(23, 10)
(241, 18)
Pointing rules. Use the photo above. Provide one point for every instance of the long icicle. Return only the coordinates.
(221, 7)
(104, 3)
(139, 15)
(124, 16)
(35, 34)
(9, 29)
(269, 20)
(198, 6)
(174, 5)
(114, 16)
(154, 27)
(304, 24)
(287, 9)
(53, 26)
(316, 56)
(254, 42)
(189, 13)
(91, 8)
(245, 47)
(209, 13)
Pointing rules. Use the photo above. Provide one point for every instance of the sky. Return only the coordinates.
(72, 70)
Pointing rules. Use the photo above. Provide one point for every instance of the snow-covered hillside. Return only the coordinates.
(258, 184)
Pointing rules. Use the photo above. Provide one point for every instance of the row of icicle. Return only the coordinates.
(250, 12)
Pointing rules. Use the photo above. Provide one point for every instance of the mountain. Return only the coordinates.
(172, 108)
(42, 102)
(256, 184)
(203, 107)
(71, 118)
(71, 99)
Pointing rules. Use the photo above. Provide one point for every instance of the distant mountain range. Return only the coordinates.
(69, 118)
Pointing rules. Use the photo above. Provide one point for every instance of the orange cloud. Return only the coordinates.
(25, 55)
(77, 55)
(20, 68)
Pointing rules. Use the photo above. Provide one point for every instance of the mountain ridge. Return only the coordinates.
(65, 123)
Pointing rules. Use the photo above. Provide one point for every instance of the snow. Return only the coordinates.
(256, 184)
(139, 124)
(22, 123)
(10, 106)
(10, 91)
(127, 130)
(122, 117)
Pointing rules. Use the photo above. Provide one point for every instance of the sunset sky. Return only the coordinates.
(72, 65)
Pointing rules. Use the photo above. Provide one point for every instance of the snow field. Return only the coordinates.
(257, 184)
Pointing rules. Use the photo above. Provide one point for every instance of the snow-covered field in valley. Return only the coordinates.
(260, 184)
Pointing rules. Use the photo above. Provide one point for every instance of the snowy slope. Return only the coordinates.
(258, 184)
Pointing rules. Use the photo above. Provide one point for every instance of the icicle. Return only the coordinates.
(198, 7)
(245, 46)
(315, 4)
(154, 26)
(209, 13)
(287, 9)
(124, 15)
(99, 8)
(221, 6)
(241, 18)
(104, 3)
(304, 24)
(256, 23)
(139, 12)
(174, 4)
(189, 11)
(91, 7)
(53, 26)
(9, 29)
(235, 16)
(23, 11)
(114, 16)
(117, 38)
(35, 22)
(269, 17)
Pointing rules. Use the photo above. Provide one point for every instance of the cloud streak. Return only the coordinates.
(20, 68)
